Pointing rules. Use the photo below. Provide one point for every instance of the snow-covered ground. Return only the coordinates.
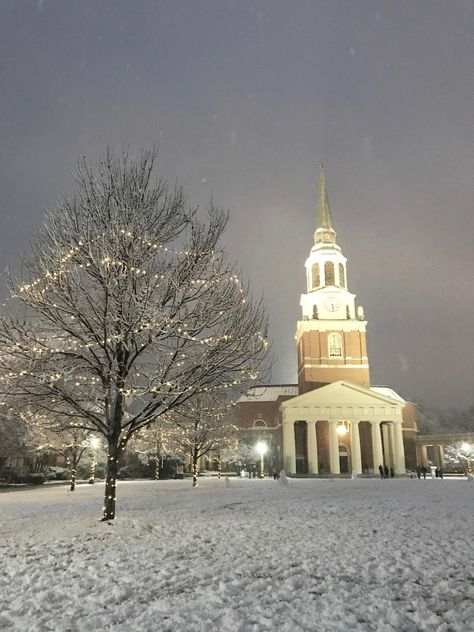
(315, 555)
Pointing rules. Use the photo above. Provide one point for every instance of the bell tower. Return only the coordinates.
(331, 337)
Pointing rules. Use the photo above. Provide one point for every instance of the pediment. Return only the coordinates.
(342, 393)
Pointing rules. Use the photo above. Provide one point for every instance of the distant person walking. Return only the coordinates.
(418, 472)
(382, 472)
(423, 471)
(386, 471)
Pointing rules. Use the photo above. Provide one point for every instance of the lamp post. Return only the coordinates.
(94, 441)
(261, 448)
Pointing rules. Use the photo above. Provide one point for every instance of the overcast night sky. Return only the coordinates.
(245, 98)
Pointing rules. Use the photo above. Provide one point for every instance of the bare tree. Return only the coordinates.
(19, 438)
(153, 442)
(243, 453)
(13, 437)
(460, 456)
(71, 443)
(201, 425)
(240, 455)
(129, 307)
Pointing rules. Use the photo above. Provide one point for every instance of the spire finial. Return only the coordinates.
(324, 230)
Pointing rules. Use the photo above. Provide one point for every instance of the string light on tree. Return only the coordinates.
(135, 309)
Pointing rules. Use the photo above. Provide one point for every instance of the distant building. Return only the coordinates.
(333, 421)
(431, 448)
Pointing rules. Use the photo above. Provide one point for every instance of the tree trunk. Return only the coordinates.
(158, 458)
(73, 469)
(111, 481)
(195, 467)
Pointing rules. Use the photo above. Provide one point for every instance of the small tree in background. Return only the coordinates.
(20, 439)
(57, 434)
(14, 436)
(245, 455)
(154, 442)
(203, 425)
(70, 444)
(240, 455)
(460, 456)
(129, 307)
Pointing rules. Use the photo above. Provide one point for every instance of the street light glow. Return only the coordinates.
(261, 448)
(341, 429)
(94, 441)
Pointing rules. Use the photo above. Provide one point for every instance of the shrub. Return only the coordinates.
(12, 475)
(100, 471)
(53, 473)
(83, 471)
(63, 475)
(136, 470)
(34, 478)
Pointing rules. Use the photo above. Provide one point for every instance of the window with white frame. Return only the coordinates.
(342, 276)
(335, 345)
(329, 273)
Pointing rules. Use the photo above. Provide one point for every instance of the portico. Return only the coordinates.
(342, 428)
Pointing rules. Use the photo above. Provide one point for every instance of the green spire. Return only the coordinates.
(324, 212)
(324, 230)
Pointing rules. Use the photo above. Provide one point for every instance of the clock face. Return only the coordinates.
(331, 304)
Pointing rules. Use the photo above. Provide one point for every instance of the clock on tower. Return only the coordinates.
(331, 337)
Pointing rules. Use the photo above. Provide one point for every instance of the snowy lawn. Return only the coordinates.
(315, 555)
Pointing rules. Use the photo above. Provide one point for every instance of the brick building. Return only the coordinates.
(332, 421)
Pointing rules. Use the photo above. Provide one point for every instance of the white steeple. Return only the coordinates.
(327, 296)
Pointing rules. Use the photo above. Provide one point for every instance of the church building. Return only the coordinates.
(333, 421)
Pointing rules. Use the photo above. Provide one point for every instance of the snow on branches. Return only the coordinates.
(128, 308)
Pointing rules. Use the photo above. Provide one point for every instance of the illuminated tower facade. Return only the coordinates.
(331, 337)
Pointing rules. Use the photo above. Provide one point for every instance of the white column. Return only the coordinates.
(312, 447)
(289, 446)
(400, 467)
(376, 445)
(385, 444)
(392, 448)
(334, 466)
(424, 455)
(441, 456)
(355, 448)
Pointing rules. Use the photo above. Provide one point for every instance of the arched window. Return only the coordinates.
(329, 273)
(335, 346)
(342, 276)
(315, 280)
(259, 423)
